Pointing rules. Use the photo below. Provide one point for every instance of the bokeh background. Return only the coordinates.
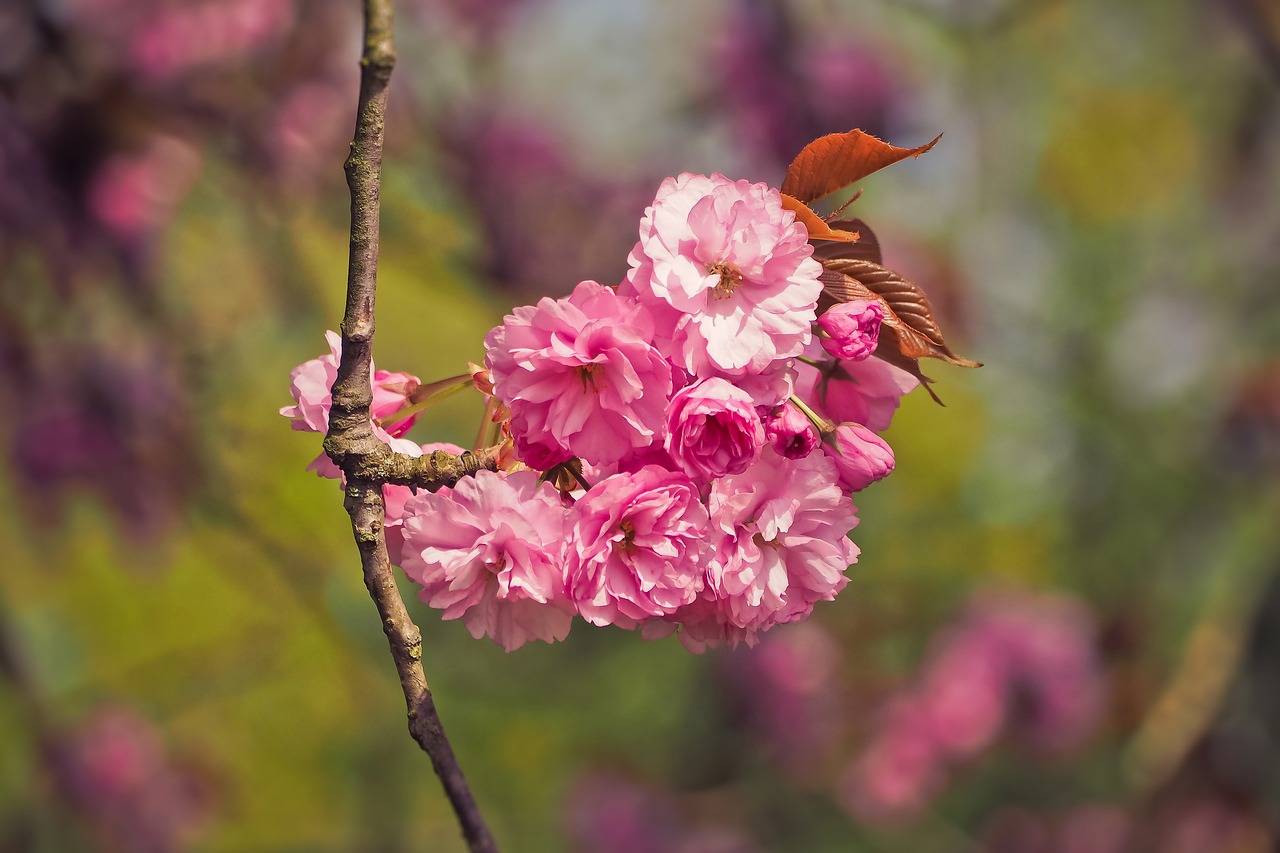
(1063, 633)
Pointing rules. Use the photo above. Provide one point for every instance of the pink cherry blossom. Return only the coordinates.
(637, 547)
(713, 430)
(396, 497)
(580, 376)
(853, 329)
(861, 456)
(490, 551)
(790, 433)
(865, 392)
(732, 278)
(780, 530)
(311, 383)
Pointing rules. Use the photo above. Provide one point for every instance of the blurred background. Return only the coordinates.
(1063, 631)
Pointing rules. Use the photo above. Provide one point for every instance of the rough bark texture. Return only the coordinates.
(366, 461)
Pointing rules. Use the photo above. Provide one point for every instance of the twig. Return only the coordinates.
(365, 460)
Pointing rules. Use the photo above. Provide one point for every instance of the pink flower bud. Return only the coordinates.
(713, 430)
(861, 456)
(790, 433)
(853, 329)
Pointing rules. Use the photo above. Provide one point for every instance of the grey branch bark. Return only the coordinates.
(366, 461)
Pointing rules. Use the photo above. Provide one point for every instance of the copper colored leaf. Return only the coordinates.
(866, 249)
(819, 228)
(908, 314)
(832, 162)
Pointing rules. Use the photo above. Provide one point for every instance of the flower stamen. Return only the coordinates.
(730, 279)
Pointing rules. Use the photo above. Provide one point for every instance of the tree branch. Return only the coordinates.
(365, 460)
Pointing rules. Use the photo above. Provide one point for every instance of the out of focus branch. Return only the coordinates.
(365, 460)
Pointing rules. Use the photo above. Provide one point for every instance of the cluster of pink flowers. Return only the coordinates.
(683, 446)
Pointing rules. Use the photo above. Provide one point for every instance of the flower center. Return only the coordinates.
(730, 279)
(589, 374)
(628, 535)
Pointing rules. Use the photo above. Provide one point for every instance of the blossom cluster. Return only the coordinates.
(681, 447)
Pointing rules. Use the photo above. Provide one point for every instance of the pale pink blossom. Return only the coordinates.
(853, 329)
(311, 385)
(713, 430)
(490, 552)
(780, 531)
(731, 276)
(861, 456)
(865, 392)
(580, 376)
(790, 432)
(637, 547)
(396, 497)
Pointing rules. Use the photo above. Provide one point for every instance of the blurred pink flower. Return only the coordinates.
(580, 376)
(490, 552)
(713, 430)
(861, 457)
(1015, 662)
(637, 547)
(133, 195)
(181, 37)
(732, 278)
(853, 329)
(115, 769)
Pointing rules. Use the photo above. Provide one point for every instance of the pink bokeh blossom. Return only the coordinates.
(580, 376)
(490, 552)
(865, 392)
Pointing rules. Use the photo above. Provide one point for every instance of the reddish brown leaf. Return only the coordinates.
(908, 315)
(832, 162)
(866, 249)
(819, 228)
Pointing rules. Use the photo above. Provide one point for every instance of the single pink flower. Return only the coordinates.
(637, 547)
(853, 329)
(865, 392)
(731, 276)
(790, 433)
(861, 456)
(396, 497)
(580, 376)
(490, 552)
(780, 531)
(311, 383)
(713, 430)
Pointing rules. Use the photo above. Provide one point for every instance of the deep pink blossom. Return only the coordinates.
(580, 376)
(780, 531)
(865, 392)
(731, 276)
(790, 432)
(490, 552)
(861, 456)
(853, 329)
(713, 430)
(637, 547)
